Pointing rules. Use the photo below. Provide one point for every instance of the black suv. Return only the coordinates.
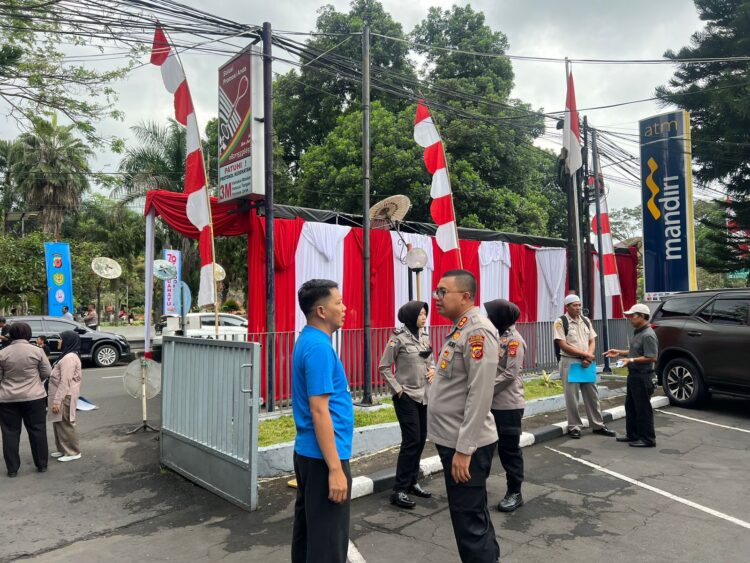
(704, 344)
(105, 349)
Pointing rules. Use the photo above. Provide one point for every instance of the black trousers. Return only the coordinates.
(508, 424)
(321, 527)
(33, 415)
(467, 503)
(639, 416)
(412, 418)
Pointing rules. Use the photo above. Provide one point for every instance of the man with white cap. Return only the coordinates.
(576, 339)
(644, 349)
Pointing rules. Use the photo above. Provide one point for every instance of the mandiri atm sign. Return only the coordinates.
(667, 194)
(241, 126)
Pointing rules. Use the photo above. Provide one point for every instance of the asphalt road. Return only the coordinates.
(586, 500)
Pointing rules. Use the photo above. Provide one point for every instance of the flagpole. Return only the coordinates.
(598, 185)
(208, 198)
(576, 222)
(448, 175)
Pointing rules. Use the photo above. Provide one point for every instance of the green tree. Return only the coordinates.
(626, 223)
(38, 80)
(309, 102)
(717, 94)
(50, 166)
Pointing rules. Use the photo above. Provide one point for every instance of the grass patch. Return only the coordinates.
(281, 429)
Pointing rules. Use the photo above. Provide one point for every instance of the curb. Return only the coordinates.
(383, 480)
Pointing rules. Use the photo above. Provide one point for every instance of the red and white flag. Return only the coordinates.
(571, 132)
(196, 185)
(426, 135)
(607, 251)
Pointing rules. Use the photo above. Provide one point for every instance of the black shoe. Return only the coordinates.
(604, 431)
(575, 434)
(626, 439)
(42, 469)
(402, 500)
(417, 490)
(510, 502)
(12, 473)
(642, 444)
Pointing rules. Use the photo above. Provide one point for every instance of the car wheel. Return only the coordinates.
(683, 384)
(106, 355)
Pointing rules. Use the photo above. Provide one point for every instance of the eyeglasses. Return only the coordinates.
(442, 292)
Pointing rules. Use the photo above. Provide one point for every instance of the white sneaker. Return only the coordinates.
(56, 454)
(69, 457)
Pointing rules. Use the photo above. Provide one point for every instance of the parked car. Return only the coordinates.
(198, 325)
(704, 344)
(105, 349)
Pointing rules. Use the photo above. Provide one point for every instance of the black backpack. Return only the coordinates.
(566, 327)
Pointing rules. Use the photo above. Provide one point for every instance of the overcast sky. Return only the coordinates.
(637, 29)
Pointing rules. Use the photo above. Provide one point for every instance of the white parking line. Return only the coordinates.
(112, 376)
(353, 555)
(643, 485)
(703, 421)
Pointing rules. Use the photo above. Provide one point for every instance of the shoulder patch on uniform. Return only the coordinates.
(398, 330)
(558, 323)
(462, 322)
(456, 335)
(392, 343)
(513, 347)
(477, 346)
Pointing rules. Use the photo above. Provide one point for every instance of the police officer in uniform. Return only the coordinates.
(459, 421)
(410, 352)
(644, 350)
(508, 402)
(577, 344)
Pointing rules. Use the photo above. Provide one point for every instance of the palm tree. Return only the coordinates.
(50, 168)
(157, 163)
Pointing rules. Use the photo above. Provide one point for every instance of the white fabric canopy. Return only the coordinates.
(320, 255)
(494, 271)
(401, 272)
(550, 265)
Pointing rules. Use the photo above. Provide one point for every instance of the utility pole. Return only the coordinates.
(598, 190)
(366, 351)
(268, 165)
(587, 255)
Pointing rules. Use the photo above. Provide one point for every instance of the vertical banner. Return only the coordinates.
(59, 277)
(667, 195)
(241, 127)
(172, 304)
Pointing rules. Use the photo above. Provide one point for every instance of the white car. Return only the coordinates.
(199, 325)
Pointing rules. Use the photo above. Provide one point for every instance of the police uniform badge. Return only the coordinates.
(477, 346)
(513, 347)
(443, 364)
(462, 322)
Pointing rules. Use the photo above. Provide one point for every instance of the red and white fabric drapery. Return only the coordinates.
(197, 207)
(442, 211)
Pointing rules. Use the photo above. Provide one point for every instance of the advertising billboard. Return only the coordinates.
(172, 302)
(59, 277)
(667, 195)
(241, 126)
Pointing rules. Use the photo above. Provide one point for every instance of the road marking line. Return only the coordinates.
(353, 555)
(112, 376)
(703, 421)
(643, 485)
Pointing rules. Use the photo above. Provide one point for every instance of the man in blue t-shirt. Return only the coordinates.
(324, 418)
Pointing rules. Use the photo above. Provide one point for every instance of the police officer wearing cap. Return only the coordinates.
(508, 401)
(459, 421)
(576, 338)
(644, 350)
(409, 351)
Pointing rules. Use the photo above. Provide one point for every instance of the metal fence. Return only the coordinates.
(210, 406)
(540, 353)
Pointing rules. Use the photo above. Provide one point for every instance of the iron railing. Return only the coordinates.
(540, 353)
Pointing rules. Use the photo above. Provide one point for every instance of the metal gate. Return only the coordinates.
(210, 404)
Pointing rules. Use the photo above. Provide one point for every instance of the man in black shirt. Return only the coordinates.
(644, 349)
